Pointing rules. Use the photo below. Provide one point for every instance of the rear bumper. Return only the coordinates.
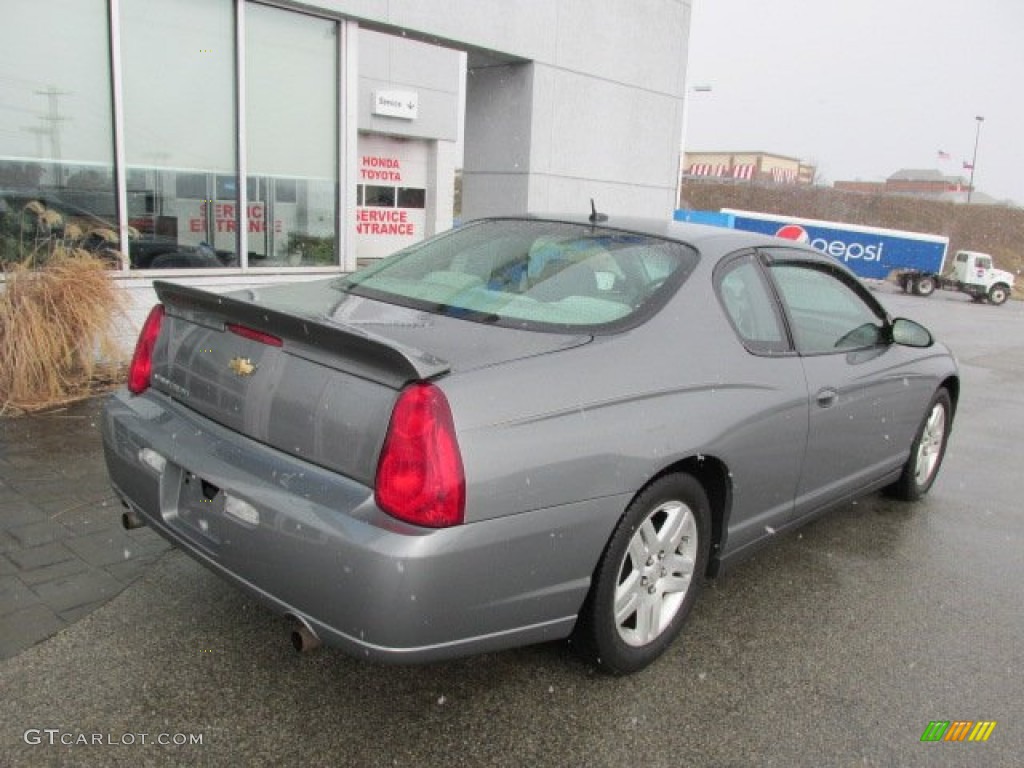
(312, 544)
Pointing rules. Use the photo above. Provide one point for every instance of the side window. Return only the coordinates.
(825, 313)
(747, 301)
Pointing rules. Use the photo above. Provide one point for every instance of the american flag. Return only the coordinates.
(943, 155)
(968, 166)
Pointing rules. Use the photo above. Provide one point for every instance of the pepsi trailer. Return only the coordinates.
(871, 252)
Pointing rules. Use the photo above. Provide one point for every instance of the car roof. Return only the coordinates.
(701, 236)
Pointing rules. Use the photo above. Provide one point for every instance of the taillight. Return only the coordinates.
(251, 333)
(142, 361)
(420, 478)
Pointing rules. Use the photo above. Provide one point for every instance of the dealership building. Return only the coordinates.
(225, 143)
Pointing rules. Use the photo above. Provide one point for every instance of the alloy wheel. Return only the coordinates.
(655, 573)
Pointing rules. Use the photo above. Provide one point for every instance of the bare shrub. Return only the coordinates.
(57, 329)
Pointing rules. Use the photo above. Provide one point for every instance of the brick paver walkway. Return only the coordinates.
(63, 552)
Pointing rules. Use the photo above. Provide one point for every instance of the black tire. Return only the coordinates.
(998, 294)
(924, 285)
(668, 524)
(927, 450)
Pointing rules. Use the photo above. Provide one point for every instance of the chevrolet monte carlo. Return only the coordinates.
(522, 430)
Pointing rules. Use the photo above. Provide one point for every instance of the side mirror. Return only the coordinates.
(910, 334)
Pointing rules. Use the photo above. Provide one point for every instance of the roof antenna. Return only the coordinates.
(594, 215)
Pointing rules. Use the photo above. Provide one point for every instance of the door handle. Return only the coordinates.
(826, 397)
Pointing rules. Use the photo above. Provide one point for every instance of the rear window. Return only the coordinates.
(539, 275)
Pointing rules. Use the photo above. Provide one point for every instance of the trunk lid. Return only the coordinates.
(324, 387)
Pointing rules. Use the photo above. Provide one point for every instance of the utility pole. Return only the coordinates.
(54, 118)
(39, 132)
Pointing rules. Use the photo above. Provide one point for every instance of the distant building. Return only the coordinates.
(919, 182)
(754, 167)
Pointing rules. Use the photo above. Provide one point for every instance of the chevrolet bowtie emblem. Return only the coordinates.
(242, 366)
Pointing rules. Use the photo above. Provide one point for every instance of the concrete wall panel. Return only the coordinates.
(538, 123)
(441, 179)
(561, 194)
(604, 130)
(525, 29)
(437, 118)
(499, 118)
(391, 57)
(488, 194)
(387, 62)
(637, 43)
(640, 42)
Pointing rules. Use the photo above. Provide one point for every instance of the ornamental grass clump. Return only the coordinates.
(57, 320)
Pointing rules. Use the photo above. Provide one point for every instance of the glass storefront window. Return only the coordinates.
(412, 197)
(180, 96)
(56, 135)
(291, 111)
(379, 197)
(179, 93)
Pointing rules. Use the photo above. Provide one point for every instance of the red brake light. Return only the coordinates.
(420, 478)
(251, 333)
(142, 361)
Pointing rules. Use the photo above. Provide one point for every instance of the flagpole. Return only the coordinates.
(974, 158)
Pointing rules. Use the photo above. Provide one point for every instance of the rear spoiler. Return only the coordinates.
(317, 339)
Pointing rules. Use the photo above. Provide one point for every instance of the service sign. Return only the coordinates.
(403, 104)
(391, 195)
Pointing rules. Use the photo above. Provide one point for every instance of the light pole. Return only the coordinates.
(702, 88)
(974, 158)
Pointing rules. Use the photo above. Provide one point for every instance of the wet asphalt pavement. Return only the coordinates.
(834, 647)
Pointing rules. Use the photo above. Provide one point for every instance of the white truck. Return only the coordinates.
(973, 274)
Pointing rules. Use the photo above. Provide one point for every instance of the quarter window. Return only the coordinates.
(752, 311)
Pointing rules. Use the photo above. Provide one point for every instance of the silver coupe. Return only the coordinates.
(521, 430)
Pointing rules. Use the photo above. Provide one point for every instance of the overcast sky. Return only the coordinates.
(863, 88)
